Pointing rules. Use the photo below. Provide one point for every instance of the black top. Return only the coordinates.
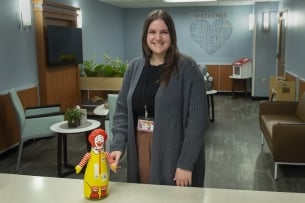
(145, 91)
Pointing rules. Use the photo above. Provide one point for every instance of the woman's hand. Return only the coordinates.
(116, 156)
(183, 177)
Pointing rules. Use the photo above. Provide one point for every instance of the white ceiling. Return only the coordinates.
(161, 3)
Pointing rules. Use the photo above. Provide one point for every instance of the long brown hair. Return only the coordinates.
(172, 54)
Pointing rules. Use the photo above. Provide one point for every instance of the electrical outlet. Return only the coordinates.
(264, 80)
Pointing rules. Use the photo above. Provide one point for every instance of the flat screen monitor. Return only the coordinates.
(64, 45)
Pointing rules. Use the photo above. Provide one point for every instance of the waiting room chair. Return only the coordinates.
(34, 122)
(283, 126)
(112, 98)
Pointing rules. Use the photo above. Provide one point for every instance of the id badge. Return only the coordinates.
(145, 125)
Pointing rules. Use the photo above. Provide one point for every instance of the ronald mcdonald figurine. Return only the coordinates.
(96, 175)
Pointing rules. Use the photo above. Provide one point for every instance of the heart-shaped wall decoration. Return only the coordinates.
(211, 33)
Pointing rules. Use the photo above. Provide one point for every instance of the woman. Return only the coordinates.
(161, 111)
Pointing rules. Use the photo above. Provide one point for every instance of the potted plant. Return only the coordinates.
(89, 67)
(112, 67)
(73, 116)
(208, 81)
(103, 76)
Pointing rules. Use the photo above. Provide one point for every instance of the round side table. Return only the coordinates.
(62, 130)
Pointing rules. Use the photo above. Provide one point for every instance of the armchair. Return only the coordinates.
(283, 126)
(33, 122)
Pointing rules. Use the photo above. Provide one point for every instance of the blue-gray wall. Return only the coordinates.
(265, 45)
(18, 67)
(116, 31)
(238, 45)
(295, 38)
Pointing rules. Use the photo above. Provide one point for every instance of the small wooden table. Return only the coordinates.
(244, 81)
(61, 128)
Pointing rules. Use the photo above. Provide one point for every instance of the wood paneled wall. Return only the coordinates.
(57, 85)
(225, 83)
(214, 72)
(9, 131)
(221, 80)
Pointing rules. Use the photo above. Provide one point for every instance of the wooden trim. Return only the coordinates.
(60, 6)
(56, 84)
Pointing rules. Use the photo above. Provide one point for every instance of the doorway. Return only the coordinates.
(281, 45)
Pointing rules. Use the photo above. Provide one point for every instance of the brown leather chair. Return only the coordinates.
(283, 126)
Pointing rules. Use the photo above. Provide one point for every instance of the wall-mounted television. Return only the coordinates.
(64, 45)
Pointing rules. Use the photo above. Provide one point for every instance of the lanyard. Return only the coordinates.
(145, 95)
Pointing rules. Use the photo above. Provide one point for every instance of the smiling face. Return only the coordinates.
(158, 38)
(99, 142)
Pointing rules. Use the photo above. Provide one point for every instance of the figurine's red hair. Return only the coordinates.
(96, 132)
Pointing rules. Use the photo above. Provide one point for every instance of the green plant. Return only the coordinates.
(118, 66)
(89, 67)
(110, 68)
(73, 116)
(73, 113)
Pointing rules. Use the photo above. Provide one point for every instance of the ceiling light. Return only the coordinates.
(186, 1)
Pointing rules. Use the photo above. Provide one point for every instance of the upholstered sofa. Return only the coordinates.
(283, 127)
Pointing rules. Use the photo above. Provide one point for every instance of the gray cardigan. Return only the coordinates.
(181, 120)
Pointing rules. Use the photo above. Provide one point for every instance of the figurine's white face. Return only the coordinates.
(99, 142)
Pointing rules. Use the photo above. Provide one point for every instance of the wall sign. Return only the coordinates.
(210, 30)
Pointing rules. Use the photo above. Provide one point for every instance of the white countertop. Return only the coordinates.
(35, 189)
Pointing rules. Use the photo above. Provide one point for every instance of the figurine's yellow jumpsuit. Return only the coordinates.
(97, 175)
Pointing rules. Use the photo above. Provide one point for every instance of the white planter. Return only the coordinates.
(101, 83)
